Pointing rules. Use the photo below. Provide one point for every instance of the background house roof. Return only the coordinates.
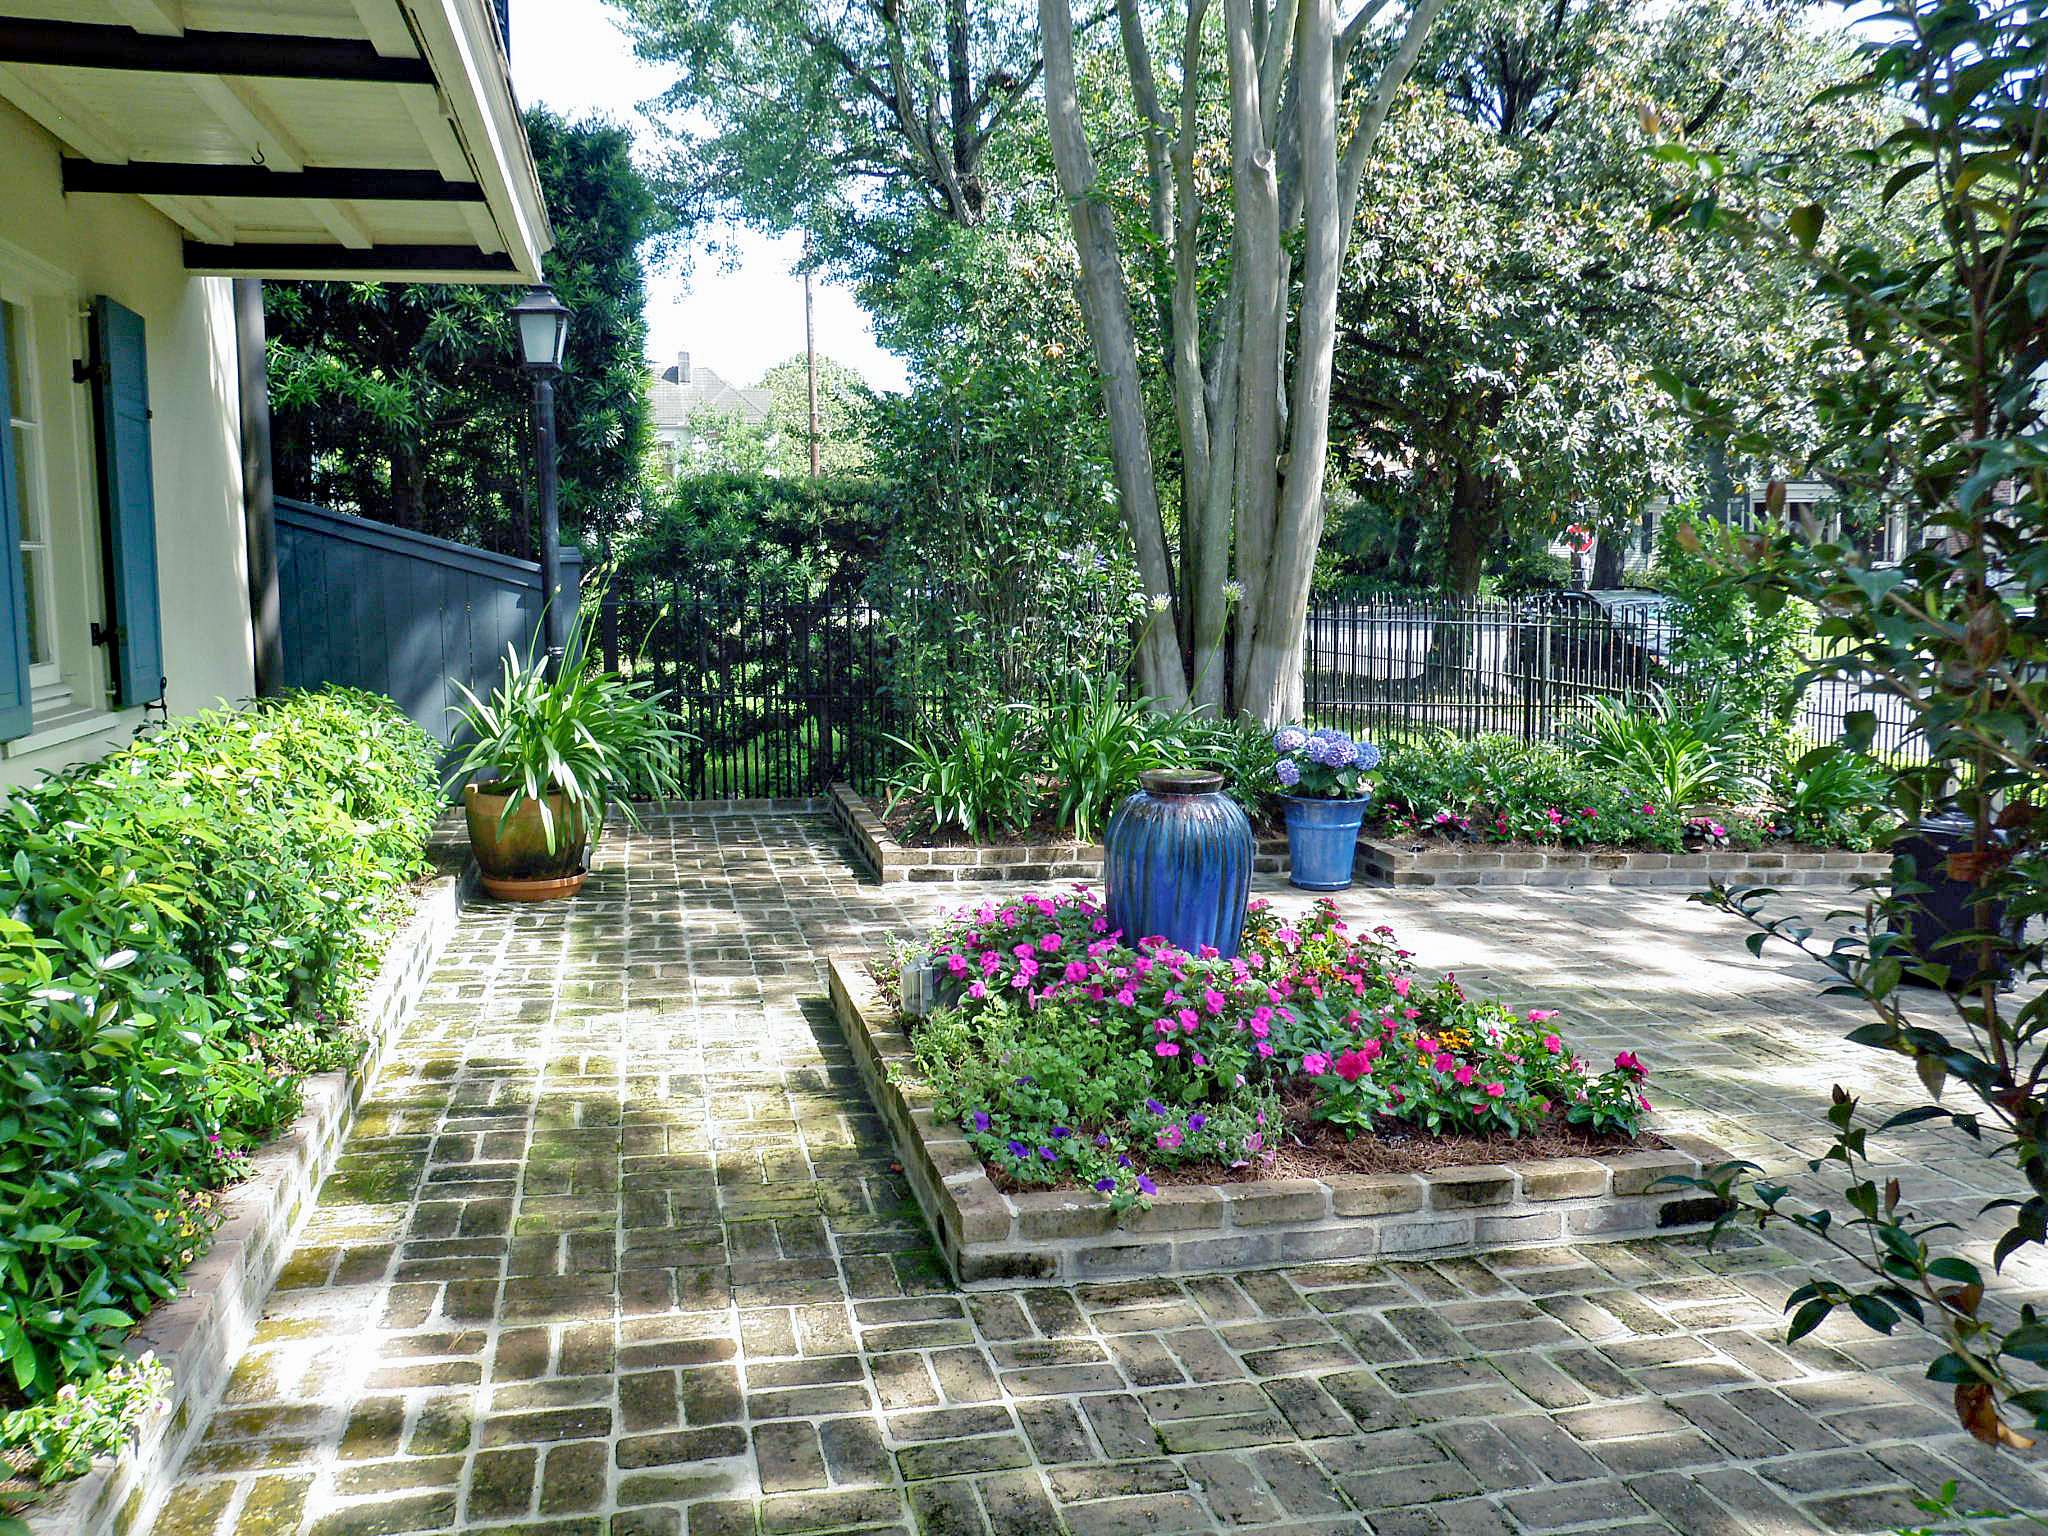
(372, 139)
(680, 390)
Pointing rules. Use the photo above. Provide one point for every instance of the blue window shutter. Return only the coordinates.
(17, 706)
(127, 502)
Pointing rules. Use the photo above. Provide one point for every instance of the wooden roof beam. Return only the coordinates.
(179, 179)
(92, 45)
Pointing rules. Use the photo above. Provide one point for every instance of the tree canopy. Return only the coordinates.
(405, 404)
(1508, 313)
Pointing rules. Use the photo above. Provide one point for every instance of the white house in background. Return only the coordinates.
(683, 398)
(152, 152)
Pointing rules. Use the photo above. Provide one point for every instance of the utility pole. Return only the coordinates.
(811, 355)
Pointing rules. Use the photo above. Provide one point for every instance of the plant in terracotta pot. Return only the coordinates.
(1323, 785)
(555, 750)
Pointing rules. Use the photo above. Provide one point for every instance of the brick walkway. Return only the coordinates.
(616, 1250)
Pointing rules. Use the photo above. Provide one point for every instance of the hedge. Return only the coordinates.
(169, 915)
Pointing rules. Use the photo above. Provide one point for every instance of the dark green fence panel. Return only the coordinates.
(401, 613)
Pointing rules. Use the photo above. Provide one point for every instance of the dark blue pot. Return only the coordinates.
(1177, 862)
(1322, 841)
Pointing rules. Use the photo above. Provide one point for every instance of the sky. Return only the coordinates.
(740, 321)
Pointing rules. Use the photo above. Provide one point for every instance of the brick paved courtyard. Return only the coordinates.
(617, 1250)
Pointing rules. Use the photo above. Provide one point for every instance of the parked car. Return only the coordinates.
(1611, 638)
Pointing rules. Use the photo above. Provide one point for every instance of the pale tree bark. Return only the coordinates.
(1106, 307)
(1254, 430)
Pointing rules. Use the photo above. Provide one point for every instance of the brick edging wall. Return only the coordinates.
(200, 1333)
(881, 857)
(1431, 862)
(991, 1239)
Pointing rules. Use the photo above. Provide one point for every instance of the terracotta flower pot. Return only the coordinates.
(515, 859)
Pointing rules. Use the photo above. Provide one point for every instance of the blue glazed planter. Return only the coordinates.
(1322, 841)
(1177, 862)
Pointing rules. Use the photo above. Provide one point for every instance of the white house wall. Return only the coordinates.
(66, 252)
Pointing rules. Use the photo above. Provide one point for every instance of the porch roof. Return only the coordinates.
(359, 139)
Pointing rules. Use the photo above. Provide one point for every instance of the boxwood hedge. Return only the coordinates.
(166, 913)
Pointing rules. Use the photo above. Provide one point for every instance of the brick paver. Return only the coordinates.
(617, 1249)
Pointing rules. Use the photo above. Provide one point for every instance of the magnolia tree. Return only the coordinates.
(1248, 357)
(1943, 420)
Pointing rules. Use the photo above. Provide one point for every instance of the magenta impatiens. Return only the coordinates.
(1101, 1057)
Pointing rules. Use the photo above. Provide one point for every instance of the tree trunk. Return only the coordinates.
(1105, 305)
(1607, 556)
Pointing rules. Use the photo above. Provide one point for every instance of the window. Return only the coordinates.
(31, 519)
(50, 525)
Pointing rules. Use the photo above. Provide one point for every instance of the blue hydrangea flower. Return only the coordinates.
(1289, 738)
(1287, 771)
(1368, 756)
(1317, 750)
(1340, 754)
(1328, 733)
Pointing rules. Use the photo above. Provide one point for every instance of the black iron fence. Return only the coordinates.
(781, 695)
(784, 694)
(1532, 667)
(1525, 669)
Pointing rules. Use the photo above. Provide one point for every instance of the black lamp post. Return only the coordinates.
(543, 334)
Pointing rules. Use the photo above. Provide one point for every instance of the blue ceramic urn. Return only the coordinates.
(1177, 862)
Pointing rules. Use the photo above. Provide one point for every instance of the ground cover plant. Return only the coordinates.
(1071, 1056)
(186, 922)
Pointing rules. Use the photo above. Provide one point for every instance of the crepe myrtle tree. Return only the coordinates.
(1943, 420)
(1307, 90)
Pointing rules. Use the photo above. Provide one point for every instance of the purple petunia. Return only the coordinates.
(1018, 1149)
(1105, 1185)
(981, 1119)
(1196, 1122)
(1146, 1186)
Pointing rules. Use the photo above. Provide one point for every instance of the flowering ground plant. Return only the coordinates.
(1070, 1056)
(1323, 764)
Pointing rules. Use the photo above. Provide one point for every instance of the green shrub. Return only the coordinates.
(60, 1437)
(1835, 795)
(170, 907)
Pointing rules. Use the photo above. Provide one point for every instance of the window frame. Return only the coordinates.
(69, 690)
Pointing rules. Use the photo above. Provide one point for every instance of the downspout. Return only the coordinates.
(259, 504)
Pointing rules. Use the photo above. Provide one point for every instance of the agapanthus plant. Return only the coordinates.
(1323, 764)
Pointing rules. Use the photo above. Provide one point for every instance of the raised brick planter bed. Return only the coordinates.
(881, 857)
(201, 1332)
(993, 1239)
(1429, 862)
